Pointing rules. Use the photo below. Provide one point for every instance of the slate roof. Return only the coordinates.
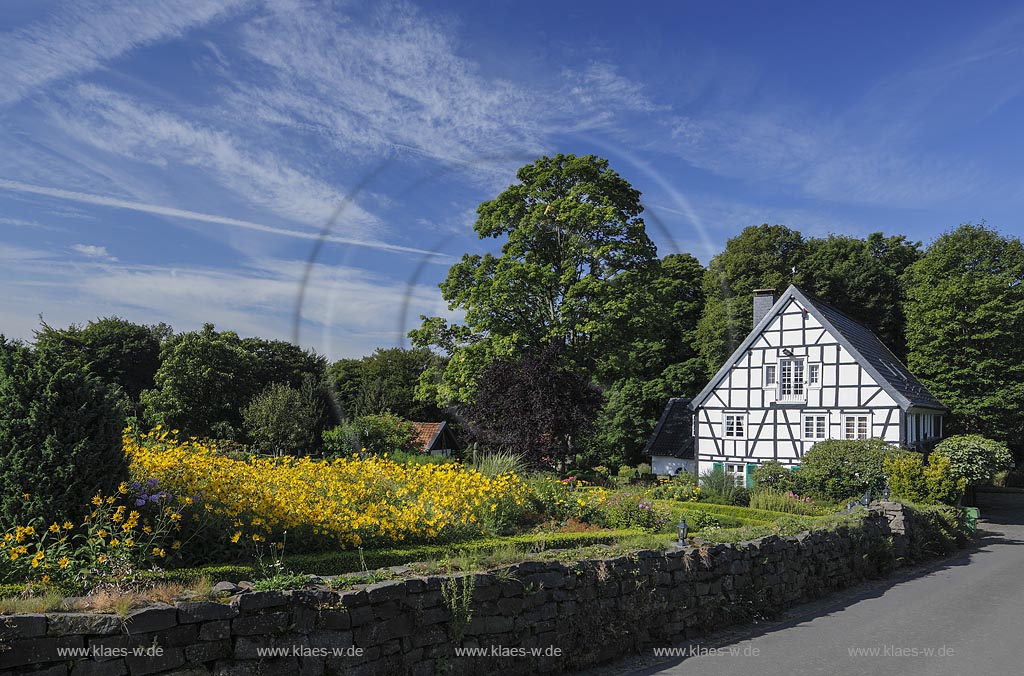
(674, 434)
(873, 356)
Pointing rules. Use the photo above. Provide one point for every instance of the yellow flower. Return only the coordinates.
(114, 542)
(54, 528)
(63, 562)
(176, 544)
(101, 558)
(68, 525)
(123, 488)
(46, 579)
(26, 496)
(236, 536)
(97, 500)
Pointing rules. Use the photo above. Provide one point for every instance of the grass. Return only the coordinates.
(39, 603)
(356, 561)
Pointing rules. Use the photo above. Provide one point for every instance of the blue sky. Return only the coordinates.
(178, 161)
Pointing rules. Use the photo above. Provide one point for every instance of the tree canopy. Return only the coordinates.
(572, 229)
(965, 329)
(60, 434)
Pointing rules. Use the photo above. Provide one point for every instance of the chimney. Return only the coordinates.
(763, 301)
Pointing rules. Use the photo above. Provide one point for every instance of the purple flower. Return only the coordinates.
(140, 502)
(152, 483)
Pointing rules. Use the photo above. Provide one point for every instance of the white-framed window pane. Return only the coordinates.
(734, 425)
(791, 379)
(813, 374)
(855, 427)
(815, 426)
(769, 374)
(738, 473)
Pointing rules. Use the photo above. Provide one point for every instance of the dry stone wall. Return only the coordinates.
(535, 618)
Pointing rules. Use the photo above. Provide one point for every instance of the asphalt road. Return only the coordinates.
(961, 616)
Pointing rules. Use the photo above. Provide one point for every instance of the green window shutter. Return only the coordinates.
(750, 474)
(718, 465)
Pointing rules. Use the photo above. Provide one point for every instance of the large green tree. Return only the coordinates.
(283, 420)
(965, 329)
(760, 257)
(662, 360)
(861, 278)
(572, 229)
(118, 351)
(60, 434)
(205, 379)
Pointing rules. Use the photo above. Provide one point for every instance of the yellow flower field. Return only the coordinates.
(351, 501)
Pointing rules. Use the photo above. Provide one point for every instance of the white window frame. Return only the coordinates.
(738, 472)
(847, 417)
(819, 419)
(773, 381)
(792, 378)
(738, 419)
(814, 375)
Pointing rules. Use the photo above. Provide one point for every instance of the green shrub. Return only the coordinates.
(630, 510)
(788, 502)
(940, 482)
(775, 476)
(283, 420)
(906, 477)
(377, 433)
(975, 458)
(840, 469)
(419, 458)
(701, 520)
(717, 486)
(643, 469)
(626, 472)
(60, 435)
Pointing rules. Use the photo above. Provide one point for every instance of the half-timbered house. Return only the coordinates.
(805, 373)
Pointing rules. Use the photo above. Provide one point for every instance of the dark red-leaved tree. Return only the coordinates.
(533, 407)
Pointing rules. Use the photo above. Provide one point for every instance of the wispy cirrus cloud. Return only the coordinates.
(122, 126)
(601, 86)
(171, 212)
(387, 82)
(85, 35)
(342, 313)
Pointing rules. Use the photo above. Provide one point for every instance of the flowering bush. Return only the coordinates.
(789, 502)
(628, 510)
(137, 528)
(346, 502)
(568, 498)
(682, 487)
